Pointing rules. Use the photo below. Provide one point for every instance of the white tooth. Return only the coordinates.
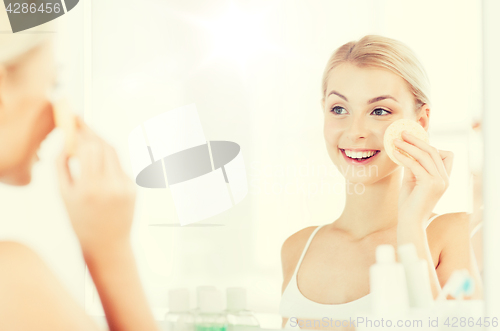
(358, 155)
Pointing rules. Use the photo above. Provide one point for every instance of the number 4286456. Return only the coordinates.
(48, 8)
(471, 322)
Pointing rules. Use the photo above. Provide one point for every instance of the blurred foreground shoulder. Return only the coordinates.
(32, 298)
(15, 254)
(19, 265)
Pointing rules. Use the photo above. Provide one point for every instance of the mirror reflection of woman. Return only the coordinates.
(100, 204)
(367, 85)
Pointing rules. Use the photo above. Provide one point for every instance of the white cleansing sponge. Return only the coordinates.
(395, 130)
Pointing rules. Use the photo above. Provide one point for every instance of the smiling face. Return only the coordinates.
(360, 103)
(26, 116)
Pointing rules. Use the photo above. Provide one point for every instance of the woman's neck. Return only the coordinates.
(372, 207)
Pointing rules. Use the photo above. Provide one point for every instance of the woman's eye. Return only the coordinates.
(336, 108)
(378, 111)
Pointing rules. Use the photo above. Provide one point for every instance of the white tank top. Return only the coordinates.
(294, 304)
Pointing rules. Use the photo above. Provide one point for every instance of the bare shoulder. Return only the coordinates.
(17, 258)
(13, 246)
(448, 226)
(292, 249)
(451, 221)
(294, 245)
(15, 250)
(29, 288)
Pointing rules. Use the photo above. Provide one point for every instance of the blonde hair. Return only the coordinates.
(13, 45)
(386, 53)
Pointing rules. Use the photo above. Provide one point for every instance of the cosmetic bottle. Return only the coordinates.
(417, 277)
(210, 316)
(178, 317)
(200, 289)
(388, 284)
(238, 317)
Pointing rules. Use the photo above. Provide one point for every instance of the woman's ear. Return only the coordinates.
(423, 116)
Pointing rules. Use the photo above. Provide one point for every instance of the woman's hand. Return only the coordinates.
(425, 179)
(100, 202)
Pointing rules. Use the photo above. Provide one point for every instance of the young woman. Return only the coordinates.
(366, 86)
(100, 205)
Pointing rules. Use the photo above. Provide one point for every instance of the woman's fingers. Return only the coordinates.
(63, 172)
(99, 160)
(429, 161)
(82, 126)
(432, 151)
(420, 155)
(90, 152)
(112, 168)
(415, 167)
(447, 158)
(111, 160)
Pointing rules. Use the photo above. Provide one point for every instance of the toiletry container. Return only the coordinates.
(417, 277)
(238, 317)
(210, 316)
(178, 317)
(389, 295)
(388, 284)
(200, 289)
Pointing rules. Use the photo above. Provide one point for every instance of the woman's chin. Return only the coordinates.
(17, 180)
(20, 177)
(362, 175)
(24, 181)
(361, 180)
(368, 178)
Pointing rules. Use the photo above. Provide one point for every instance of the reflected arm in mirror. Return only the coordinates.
(457, 252)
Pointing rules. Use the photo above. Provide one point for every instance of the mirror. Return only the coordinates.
(253, 70)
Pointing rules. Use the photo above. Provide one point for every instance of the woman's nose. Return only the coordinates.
(357, 129)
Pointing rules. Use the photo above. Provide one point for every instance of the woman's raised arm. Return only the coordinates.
(100, 203)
